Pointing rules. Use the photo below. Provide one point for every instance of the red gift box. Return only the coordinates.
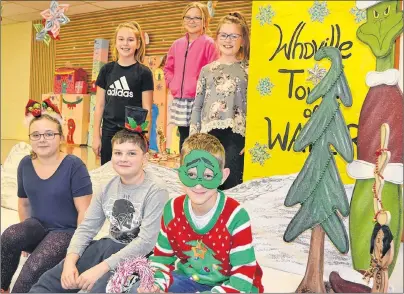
(66, 78)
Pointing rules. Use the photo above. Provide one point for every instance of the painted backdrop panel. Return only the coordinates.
(283, 70)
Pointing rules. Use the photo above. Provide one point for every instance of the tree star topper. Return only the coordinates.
(199, 250)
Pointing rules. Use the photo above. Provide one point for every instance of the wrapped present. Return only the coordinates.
(76, 111)
(65, 79)
(81, 87)
(91, 125)
(100, 56)
(158, 130)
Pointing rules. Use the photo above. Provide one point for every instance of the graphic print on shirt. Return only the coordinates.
(130, 282)
(125, 219)
(202, 266)
(120, 88)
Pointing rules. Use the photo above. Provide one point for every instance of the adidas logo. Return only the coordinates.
(120, 88)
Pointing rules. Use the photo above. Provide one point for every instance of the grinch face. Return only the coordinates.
(200, 168)
(384, 24)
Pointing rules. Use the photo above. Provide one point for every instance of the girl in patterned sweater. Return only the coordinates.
(208, 233)
(221, 94)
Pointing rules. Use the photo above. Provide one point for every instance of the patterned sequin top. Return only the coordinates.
(221, 98)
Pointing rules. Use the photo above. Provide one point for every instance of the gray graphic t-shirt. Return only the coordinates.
(134, 213)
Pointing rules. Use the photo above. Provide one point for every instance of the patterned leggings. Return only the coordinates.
(47, 250)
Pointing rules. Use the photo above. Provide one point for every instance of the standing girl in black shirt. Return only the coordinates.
(125, 81)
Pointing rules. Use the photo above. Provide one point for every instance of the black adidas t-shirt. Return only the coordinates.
(123, 86)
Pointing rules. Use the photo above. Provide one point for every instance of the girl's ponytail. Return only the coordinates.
(141, 52)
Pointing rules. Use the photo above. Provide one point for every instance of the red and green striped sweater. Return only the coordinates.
(220, 254)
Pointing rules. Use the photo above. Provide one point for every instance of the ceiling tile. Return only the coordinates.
(84, 8)
(14, 9)
(42, 5)
(39, 5)
(118, 4)
(26, 16)
(72, 3)
(5, 21)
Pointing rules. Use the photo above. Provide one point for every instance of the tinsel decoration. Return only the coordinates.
(126, 272)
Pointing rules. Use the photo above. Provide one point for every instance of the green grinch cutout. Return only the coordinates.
(383, 105)
(202, 266)
(384, 24)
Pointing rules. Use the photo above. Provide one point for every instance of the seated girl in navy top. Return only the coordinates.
(54, 191)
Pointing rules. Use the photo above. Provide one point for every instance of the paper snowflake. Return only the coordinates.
(265, 86)
(259, 154)
(360, 14)
(319, 11)
(265, 14)
(316, 74)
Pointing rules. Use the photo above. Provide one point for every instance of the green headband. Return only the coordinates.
(200, 168)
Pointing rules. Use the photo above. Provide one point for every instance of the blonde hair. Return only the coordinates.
(239, 19)
(202, 141)
(204, 12)
(50, 118)
(137, 31)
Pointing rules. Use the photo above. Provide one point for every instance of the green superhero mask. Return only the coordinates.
(200, 168)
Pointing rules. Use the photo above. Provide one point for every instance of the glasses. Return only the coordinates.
(47, 136)
(232, 37)
(189, 19)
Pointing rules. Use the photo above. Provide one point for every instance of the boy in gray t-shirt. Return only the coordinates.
(133, 203)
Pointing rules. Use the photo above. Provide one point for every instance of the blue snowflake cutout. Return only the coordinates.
(265, 14)
(360, 14)
(319, 11)
(259, 153)
(265, 86)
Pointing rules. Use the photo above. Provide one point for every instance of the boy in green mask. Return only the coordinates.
(208, 233)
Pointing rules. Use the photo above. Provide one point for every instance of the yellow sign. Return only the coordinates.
(285, 37)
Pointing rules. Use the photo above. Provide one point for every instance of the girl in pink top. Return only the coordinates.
(185, 60)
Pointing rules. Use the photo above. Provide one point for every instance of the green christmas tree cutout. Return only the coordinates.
(318, 187)
(202, 266)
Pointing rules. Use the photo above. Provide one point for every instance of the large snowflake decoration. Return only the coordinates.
(265, 14)
(360, 14)
(265, 86)
(316, 74)
(259, 154)
(53, 18)
(319, 11)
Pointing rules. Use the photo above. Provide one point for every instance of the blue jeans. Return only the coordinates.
(181, 284)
